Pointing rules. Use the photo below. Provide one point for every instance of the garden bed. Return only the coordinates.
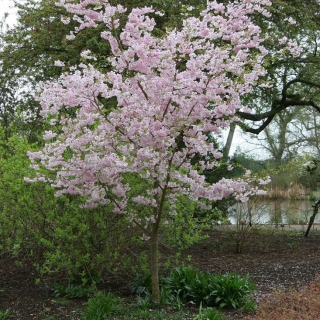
(277, 261)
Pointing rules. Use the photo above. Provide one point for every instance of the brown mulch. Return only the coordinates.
(275, 262)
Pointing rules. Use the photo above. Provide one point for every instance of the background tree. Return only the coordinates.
(294, 80)
(279, 141)
(292, 132)
(293, 77)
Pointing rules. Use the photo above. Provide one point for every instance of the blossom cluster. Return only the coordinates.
(171, 93)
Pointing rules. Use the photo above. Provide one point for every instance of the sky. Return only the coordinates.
(6, 6)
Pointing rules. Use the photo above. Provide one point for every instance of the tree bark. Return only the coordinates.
(154, 265)
(311, 221)
(278, 106)
(227, 147)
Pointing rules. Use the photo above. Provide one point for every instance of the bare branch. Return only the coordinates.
(278, 106)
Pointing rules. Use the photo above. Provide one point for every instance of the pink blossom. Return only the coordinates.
(283, 40)
(86, 55)
(49, 135)
(171, 92)
(290, 20)
(59, 63)
(65, 20)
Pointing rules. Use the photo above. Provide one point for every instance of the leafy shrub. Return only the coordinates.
(209, 314)
(101, 305)
(73, 291)
(249, 305)
(190, 285)
(141, 284)
(179, 282)
(165, 296)
(230, 290)
(67, 237)
(187, 227)
(203, 289)
(143, 303)
(212, 314)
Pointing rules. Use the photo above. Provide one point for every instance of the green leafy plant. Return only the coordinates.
(73, 291)
(202, 288)
(5, 314)
(178, 301)
(165, 296)
(159, 315)
(142, 314)
(188, 285)
(209, 314)
(249, 305)
(102, 305)
(292, 245)
(230, 290)
(141, 284)
(179, 282)
(76, 241)
(143, 303)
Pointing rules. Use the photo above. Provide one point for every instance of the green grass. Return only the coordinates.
(102, 306)
(5, 314)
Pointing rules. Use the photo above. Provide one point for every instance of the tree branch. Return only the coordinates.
(278, 106)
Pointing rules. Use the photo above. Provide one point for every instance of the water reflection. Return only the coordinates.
(265, 211)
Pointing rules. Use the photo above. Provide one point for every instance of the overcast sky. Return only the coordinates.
(7, 6)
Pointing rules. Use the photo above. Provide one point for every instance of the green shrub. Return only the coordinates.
(209, 314)
(249, 305)
(179, 282)
(141, 284)
(100, 306)
(202, 288)
(67, 237)
(143, 303)
(73, 291)
(212, 314)
(230, 290)
(142, 314)
(186, 227)
(192, 286)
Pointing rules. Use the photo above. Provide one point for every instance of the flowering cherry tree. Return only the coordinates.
(170, 93)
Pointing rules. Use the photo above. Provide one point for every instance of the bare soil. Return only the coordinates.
(279, 261)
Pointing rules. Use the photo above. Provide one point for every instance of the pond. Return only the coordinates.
(274, 211)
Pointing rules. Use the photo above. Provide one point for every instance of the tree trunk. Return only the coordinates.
(154, 266)
(227, 147)
(311, 221)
